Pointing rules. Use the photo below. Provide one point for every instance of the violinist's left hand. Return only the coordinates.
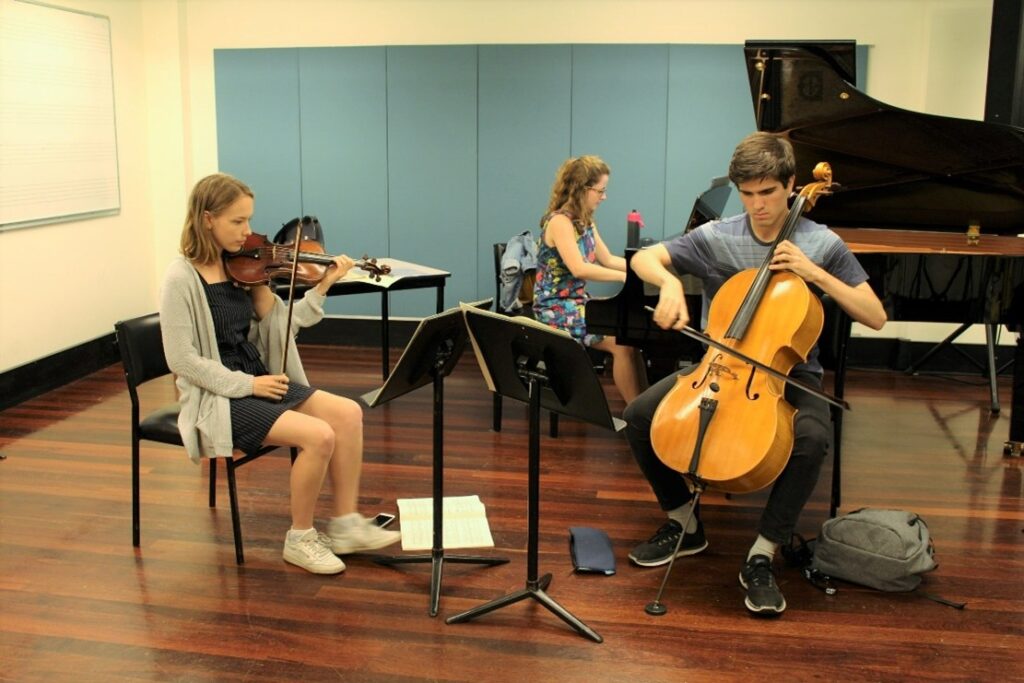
(789, 257)
(342, 264)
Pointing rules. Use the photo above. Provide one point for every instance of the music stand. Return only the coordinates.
(530, 362)
(429, 357)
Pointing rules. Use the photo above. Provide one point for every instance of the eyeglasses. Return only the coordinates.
(599, 190)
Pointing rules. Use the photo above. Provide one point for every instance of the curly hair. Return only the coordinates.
(762, 155)
(214, 193)
(574, 177)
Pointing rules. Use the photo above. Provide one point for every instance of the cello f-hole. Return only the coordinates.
(750, 383)
(698, 384)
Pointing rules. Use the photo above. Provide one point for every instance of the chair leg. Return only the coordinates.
(553, 427)
(136, 533)
(236, 527)
(213, 482)
(294, 454)
(496, 418)
(836, 499)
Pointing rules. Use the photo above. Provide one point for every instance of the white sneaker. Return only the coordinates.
(312, 552)
(353, 533)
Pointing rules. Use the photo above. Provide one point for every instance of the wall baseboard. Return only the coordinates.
(38, 377)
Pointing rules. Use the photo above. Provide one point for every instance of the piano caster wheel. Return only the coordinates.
(1013, 449)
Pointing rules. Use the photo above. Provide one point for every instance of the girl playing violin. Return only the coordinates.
(570, 252)
(220, 340)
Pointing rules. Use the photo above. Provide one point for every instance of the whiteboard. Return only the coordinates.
(58, 144)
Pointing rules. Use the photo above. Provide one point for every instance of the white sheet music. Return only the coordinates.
(399, 270)
(465, 523)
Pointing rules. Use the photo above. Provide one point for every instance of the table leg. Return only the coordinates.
(385, 336)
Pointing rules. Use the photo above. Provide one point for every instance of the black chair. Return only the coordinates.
(835, 334)
(142, 354)
(499, 252)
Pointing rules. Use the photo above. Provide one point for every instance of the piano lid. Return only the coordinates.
(896, 168)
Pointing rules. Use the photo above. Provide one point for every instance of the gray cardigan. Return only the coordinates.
(190, 345)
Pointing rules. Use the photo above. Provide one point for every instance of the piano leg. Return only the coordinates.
(990, 349)
(990, 369)
(1015, 445)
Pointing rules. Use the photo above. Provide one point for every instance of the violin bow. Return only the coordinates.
(291, 300)
(767, 369)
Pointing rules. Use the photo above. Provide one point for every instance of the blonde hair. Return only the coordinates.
(214, 193)
(574, 177)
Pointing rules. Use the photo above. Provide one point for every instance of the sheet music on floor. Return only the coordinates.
(465, 523)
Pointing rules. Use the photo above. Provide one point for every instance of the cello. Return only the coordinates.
(727, 424)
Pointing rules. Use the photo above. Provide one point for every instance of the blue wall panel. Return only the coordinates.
(432, 167)
(619, 102)
(258, 129)
(431, 154)
(709, 112)
(525, 110)
(343, 105)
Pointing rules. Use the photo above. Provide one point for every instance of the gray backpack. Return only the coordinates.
(883, 549)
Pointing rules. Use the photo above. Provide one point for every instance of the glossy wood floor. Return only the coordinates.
(77, 602)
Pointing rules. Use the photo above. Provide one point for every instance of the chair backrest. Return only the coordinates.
(499, 252)
(142, 349)
(835, 332)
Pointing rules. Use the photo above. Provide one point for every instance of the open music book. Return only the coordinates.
(465, 523)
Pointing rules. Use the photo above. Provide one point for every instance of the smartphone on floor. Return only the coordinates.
(383, 519)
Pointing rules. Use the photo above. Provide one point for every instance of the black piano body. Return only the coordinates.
(913, 190)
(625, 317)
(930, 205)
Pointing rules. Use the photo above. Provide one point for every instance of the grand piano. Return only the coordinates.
(931, 205)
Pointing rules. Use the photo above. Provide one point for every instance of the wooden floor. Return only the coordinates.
(77, 602)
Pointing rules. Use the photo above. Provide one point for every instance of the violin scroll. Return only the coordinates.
(370, 265)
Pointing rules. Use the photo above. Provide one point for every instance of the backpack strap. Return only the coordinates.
(941, 600)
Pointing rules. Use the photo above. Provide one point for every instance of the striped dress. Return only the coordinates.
(251, 417)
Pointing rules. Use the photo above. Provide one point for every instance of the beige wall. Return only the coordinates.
(926, 55)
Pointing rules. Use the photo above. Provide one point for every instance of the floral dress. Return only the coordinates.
(559, 298)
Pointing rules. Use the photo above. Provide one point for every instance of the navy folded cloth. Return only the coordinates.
(591, 550)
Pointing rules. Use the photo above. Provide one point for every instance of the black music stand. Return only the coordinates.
(429, 357)
(530, 362)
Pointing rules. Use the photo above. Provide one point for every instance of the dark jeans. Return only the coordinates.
(790, 491)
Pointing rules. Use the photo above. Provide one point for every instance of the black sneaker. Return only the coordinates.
(657, 550)
(763, 595)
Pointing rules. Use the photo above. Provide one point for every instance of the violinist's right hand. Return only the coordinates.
(671, 311)
(270, 386)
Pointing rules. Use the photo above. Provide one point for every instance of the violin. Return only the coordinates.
(727, 423)
(261, 261)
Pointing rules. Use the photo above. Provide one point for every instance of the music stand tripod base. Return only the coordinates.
(532, 363)
(429, 357)
(535, 587)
